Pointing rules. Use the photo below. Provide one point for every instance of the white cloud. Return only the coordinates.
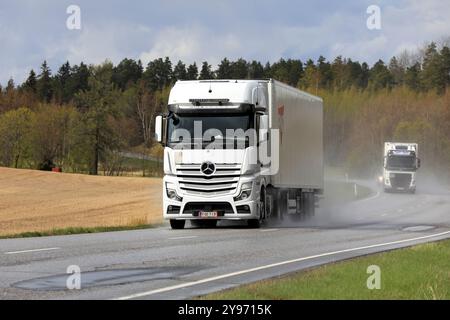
(191, 43)
(95, 44)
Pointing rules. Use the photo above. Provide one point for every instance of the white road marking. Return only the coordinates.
(268, 230)
(183, 238)
(371, 198)
(32, 250)
(228, 275)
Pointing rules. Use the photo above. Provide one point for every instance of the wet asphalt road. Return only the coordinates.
(165, 264)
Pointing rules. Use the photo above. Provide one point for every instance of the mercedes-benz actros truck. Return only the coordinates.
(240, 150)
(401, 162)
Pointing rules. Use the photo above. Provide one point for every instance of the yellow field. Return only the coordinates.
(41, 201)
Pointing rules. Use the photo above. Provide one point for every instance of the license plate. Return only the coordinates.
(208, 214)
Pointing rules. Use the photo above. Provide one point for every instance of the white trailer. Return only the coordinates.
(211, 175)
(401, 162)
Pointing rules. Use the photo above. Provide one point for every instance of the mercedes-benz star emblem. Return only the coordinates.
(208, 168)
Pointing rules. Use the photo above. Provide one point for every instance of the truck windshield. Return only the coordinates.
(180, 125)
(401, 163)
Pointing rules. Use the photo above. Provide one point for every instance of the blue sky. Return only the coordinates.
(198, 30)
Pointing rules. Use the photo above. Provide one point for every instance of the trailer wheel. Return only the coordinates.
(282, 203)
(177, 224)
(309, 204)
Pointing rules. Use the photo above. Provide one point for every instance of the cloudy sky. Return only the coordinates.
(198, 30)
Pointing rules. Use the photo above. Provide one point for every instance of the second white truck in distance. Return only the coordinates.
(205, 185)
(401, 162)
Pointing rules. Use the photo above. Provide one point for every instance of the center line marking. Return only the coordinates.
(269, 230)
(32, 250)
(264, 267)
(182, 238)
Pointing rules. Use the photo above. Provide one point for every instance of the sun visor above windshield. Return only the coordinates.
(223, 92)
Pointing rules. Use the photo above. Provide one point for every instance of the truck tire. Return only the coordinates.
(262, 205)
(177, 224)
(254, 223)
(282, 203)
(310, 205)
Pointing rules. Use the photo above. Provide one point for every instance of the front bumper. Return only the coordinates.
(228, 209)
(399, 181)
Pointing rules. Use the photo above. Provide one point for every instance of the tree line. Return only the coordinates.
(82, 117)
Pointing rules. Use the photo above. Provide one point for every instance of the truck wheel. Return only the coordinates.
(254, 223)
(282, 203)
(309, 203)
(262, 205)
(177, 224)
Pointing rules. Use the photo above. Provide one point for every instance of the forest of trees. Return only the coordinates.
(81, 117)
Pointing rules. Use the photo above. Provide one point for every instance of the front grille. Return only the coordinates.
(224, 181)
(401, 180)
(194, 208)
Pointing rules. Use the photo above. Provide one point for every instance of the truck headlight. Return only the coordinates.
(246, 192)
(171, 192)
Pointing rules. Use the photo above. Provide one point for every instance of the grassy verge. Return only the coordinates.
(77, 230)
(420, 272)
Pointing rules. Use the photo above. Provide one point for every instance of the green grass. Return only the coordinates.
(77, 230)
(420, 272)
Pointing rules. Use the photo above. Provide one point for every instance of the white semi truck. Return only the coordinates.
(211, 173)
(401, 162)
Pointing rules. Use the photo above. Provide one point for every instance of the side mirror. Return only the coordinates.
(159, 129)
(263, 127)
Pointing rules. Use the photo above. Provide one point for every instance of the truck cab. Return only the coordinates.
(401, 163)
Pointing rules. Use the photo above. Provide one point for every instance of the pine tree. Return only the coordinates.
(10, 86)
(206, 73)
(127, 72)
(397, 71)
(325, 74)
(158, 73)
(192, 72)
(30, 84)
(44, 83)
(412, 77)
(61, 83)
(445, 61)
(380, 77)
(432, 75)
(179, 72)
(256, 70)
(239, 69)
(224, 70)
